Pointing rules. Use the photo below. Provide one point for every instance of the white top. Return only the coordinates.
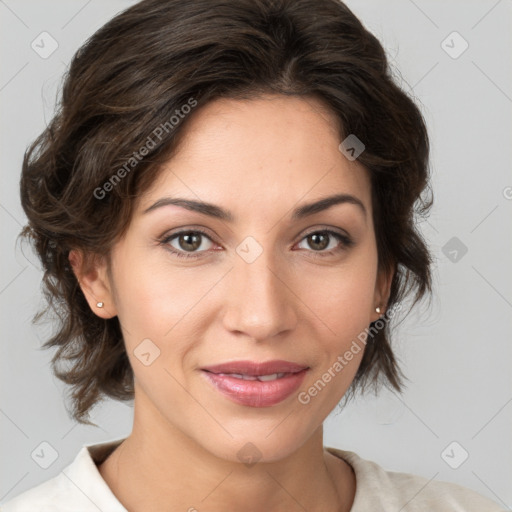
(79, 487)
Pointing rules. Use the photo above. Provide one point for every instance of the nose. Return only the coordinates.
(261, 302)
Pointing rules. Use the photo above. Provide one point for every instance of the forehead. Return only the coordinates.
(266, 153)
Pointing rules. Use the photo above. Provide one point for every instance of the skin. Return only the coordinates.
(259, 159)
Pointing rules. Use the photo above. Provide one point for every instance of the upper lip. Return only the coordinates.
(256, 369)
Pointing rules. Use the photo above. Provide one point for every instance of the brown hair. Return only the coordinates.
(130, 83)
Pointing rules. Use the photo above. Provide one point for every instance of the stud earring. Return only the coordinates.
(377, 309)
(99, 304)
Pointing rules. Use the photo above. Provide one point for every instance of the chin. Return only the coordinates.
(250, 451)
(258, 442)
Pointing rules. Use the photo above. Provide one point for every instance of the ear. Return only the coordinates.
(91, 273)
(382, 292)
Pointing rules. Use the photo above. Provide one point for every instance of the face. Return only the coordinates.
(267, 281)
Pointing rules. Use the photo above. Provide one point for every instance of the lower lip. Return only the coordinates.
(255, 393)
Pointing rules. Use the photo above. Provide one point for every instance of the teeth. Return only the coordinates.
(274, 376)
(240, 376)
(263, 378)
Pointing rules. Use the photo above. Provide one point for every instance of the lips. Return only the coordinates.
(256, 384)
(256, 369)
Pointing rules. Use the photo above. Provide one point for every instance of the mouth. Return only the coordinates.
(261, 378)
(256, 384)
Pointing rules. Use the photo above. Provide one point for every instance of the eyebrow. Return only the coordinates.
(215, 211)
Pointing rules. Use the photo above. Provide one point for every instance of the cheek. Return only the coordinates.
(157, 301)
(341, 298)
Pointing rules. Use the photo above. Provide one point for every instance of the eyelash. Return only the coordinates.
(346, 242)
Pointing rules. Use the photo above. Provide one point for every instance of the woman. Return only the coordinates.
(224, 206)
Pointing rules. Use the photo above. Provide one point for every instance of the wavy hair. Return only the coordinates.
(134, 75)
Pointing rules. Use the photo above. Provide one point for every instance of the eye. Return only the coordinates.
(335, 242)
(192, 242)
(184, 244)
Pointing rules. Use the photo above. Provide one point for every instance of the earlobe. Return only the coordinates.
(92, 276)
(382, 292)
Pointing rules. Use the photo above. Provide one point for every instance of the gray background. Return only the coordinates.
(457, 353)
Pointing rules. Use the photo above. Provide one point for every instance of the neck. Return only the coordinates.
(167, 470)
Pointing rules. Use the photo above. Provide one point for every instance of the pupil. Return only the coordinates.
(315, 238)
(192, 239)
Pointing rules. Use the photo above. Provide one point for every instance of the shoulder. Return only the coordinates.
(40, 497)
(391, 490)
(79, 487)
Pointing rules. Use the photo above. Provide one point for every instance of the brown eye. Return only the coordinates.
(326, 242)
(189, 241)
(186, 244)
(318, 241)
